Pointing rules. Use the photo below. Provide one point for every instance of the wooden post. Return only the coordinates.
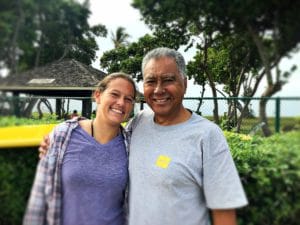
(87, 108)
(16, 104)
(58, 102)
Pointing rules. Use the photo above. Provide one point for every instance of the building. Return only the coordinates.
(64, 78)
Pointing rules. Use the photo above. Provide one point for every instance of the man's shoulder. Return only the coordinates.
(143, 114)
(204, 123)
(139, 117)
(200, 119)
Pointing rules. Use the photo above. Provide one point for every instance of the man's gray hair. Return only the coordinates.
(165, 52)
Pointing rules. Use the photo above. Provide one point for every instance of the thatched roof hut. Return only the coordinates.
(64, 78)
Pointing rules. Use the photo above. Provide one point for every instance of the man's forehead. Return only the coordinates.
(161, 59)
(164, 75)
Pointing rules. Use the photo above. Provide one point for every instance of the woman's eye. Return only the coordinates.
(115, 95)
(129, 100)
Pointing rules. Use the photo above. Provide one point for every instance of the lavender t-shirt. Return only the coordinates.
(94, 179)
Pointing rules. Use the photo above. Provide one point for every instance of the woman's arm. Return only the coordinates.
(36, 206)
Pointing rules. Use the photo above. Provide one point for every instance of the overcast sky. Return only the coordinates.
(115, 13)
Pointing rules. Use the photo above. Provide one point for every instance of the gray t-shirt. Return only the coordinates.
(177, 172)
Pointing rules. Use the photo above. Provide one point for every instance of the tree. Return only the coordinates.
(37, 32)
(224, 60)
(129, 58)
(271, 26)
(120, 38)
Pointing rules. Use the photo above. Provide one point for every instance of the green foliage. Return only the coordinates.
(39, 32)
(275, 21)
(129, 58)
(120, 37)
(270, 172)
(17, 168)
(6, 121)
(247, 37)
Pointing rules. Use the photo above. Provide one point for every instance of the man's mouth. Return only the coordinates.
(160, 100)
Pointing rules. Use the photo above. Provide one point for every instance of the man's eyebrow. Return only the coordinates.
(150, 76)
(169, 75)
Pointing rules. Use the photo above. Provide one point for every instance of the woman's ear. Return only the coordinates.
(97, 95)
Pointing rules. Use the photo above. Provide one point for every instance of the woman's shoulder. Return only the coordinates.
(63, 126)
(85, 125)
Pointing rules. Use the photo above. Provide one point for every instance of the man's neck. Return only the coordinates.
(176, 118)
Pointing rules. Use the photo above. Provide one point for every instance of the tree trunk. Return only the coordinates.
(214, 93)
(47, 104)
(13, 52)
(211, 83)
(270, 91)
(247, 102)
(201, 100)
(263, 53)
(27, 110)
(263, 117)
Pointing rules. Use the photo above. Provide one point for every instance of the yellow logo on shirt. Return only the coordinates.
(163, 161)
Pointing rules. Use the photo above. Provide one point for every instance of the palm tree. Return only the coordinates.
(120, 38)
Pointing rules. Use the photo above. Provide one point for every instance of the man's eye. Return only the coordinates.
(149, 81)
(169, 79)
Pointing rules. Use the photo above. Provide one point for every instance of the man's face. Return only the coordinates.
(164, 87)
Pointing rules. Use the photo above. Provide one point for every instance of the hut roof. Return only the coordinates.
(66, 77)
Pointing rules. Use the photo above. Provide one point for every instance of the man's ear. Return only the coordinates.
(97, 95)
(185, 84)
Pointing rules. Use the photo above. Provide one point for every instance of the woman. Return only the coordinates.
(83, 178)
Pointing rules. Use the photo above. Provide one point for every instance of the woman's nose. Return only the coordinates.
(121, 101)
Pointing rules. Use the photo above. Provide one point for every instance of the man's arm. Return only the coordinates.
(224, 217)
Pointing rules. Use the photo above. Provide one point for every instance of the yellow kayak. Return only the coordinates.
(23, 136)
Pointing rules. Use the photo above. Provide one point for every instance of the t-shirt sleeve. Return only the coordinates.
(221, 181)
(132, 123)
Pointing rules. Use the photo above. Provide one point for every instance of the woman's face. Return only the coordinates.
(116, 102)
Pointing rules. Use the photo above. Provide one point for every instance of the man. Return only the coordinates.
(179, 162)
(180, 166)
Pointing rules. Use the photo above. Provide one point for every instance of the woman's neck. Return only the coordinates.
(104, 132)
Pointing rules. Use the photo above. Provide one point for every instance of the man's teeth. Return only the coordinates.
(161, 100)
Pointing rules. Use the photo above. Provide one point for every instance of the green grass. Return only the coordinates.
(6, 121)
(286, 124)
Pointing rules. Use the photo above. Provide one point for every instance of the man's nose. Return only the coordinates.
(159, 88)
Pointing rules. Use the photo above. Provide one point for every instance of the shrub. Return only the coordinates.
(270, 172)
(17, 168)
